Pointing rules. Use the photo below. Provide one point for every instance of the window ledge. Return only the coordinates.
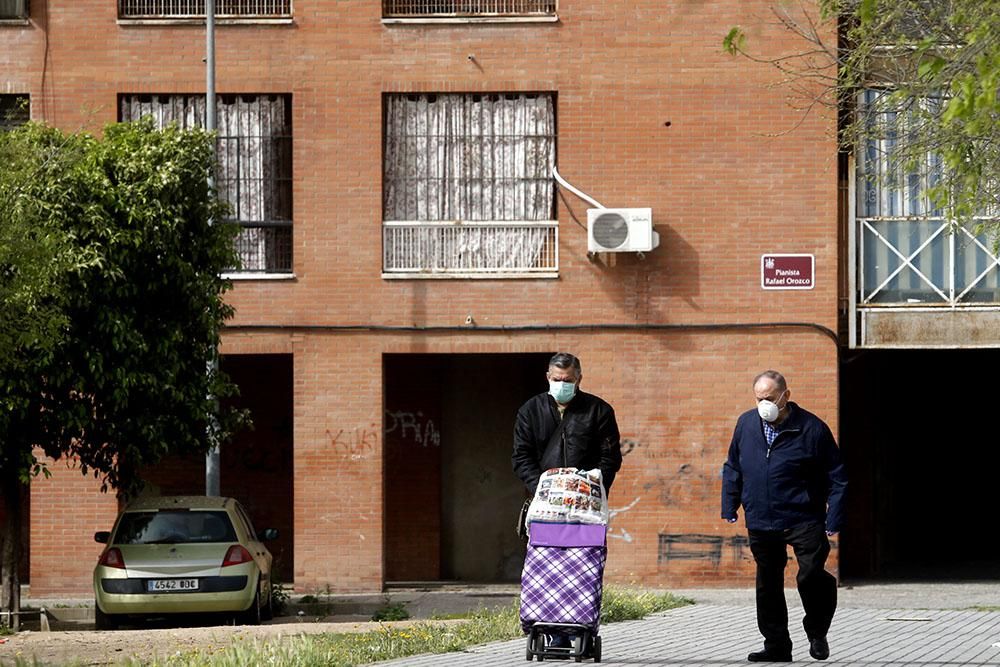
(283, 20)
(526, 275)
(250, 275)
(15, 22)
(471, 19)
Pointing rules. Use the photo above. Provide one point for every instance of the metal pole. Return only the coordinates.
(212, 482)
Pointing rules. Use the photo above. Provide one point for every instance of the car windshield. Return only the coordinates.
(175, 527)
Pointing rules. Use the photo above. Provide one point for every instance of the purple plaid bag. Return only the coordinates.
(562, 582)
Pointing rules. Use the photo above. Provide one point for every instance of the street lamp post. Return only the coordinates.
(212, 483)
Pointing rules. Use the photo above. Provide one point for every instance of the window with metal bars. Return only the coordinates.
(467, 183)
(13, 9)
(14, 111)
(170, 9)
(909, 252)
(254, 172)
(467, 8)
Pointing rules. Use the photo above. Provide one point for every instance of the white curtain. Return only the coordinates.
(469, 157)
(254, 159)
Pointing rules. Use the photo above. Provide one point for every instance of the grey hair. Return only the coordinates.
(778, 378)
(565, 360)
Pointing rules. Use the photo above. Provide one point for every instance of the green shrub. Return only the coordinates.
(395, 611)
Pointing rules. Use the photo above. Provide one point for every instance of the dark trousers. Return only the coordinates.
(817, 587)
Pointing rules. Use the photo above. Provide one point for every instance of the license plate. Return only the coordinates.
(159, 585)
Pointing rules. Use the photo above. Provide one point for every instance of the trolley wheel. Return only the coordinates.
(578, 647)
(529, 654)
(597, 649)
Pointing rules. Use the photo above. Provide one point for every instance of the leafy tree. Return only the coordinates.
(936, 67)
(122, 372)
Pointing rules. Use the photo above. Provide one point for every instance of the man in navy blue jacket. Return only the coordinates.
(784, 467)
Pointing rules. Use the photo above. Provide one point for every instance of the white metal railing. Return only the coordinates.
(172, 9)
(470, 249)
(459, 8)
(921, 261)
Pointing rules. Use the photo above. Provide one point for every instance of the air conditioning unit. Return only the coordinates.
(621, 230)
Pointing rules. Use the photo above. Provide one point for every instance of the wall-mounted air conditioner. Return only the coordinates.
(621, 230)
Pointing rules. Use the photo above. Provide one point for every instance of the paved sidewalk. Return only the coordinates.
(715, 635)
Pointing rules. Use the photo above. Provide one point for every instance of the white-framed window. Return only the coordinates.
(910, 253)
(254, 175)
(467, 185)
(190, 9)
(459, 9)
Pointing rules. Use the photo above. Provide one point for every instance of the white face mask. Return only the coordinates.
(768, 410)
(563, 392)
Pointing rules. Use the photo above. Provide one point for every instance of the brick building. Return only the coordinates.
(382, 347)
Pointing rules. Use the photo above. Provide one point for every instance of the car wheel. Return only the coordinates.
(252, 615)
(104, 621)
(267, 613)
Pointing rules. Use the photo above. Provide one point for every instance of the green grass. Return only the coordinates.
(984, 607)
(346, 650)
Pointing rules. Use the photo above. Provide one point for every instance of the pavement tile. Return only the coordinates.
(707, 635)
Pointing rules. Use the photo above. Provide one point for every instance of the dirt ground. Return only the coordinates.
(90, 647)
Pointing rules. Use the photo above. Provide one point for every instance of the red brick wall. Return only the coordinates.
(66, 510)
(650, 113)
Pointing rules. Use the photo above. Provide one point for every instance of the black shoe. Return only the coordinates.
(819, 649)
(770, 656)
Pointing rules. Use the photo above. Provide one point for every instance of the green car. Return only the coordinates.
(183, 555)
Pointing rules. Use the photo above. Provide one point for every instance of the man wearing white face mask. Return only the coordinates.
(565, 428)
(784, 468)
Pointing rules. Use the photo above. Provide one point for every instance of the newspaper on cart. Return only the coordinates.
(568, 495)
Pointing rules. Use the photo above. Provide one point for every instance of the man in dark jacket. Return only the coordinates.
(565, 428)
(784, 467)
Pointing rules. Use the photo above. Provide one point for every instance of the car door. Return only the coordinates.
(260, 553)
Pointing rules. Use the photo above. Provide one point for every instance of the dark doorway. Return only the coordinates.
(451, 497)
(256, 466)
(918, 433)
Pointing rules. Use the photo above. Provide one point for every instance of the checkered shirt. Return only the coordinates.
(770, 433)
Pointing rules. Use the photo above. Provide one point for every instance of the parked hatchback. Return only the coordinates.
(181, 555)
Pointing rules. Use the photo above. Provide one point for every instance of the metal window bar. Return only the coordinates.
(173, 9)
(254, 170)
(470, 248)
(453, 161)
(461, 8)
(909, 253)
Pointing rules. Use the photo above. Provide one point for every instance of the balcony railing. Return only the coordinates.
(470, 249)
(186, 9)
(440, 9)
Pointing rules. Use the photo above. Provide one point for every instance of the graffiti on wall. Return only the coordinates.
(693, 546)
(620, 533)
(413, 427)
(629, 445)
(355, 443)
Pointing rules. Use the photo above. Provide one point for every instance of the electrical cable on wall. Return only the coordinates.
(582, 195)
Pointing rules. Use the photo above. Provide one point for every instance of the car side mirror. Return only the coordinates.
(269, 534)
(102, 536)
